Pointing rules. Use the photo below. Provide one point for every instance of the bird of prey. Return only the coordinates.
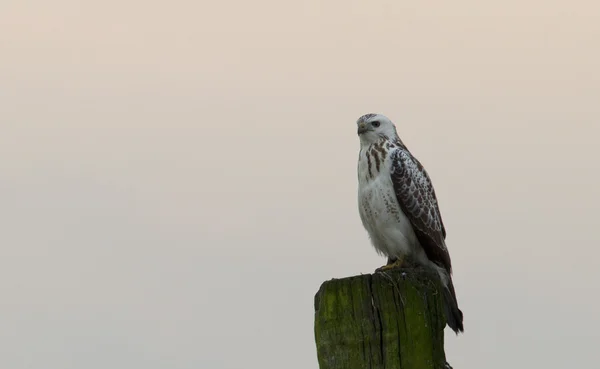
(399, 209)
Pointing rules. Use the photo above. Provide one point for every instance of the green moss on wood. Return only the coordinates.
(390, 320)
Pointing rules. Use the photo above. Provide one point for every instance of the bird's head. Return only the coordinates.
(375, 127)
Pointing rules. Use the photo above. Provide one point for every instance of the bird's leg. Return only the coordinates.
(391, 264)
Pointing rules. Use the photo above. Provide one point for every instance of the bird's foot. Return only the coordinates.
(392, 263)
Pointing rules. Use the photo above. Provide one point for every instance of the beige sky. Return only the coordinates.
(177, 180)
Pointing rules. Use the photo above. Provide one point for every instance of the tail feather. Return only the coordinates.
(454, 317)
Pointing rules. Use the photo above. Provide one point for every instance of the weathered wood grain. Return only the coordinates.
(385, 320)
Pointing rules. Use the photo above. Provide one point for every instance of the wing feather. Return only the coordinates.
(416, 196)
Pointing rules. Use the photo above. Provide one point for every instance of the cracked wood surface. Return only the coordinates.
(386, 320)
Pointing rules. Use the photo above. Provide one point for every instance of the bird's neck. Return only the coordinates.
(368, 142)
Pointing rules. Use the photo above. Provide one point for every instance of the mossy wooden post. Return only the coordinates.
(386, 320)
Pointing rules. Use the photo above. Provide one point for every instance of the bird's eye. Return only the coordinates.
(376, 123)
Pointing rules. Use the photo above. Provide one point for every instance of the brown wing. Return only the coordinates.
(416, 196)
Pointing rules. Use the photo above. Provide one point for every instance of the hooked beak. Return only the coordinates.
(362, 128)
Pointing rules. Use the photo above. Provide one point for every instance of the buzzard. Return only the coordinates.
(399, 209)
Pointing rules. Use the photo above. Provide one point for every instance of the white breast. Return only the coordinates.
(390, 230)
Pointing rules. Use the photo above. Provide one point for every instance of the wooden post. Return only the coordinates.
(386, 320)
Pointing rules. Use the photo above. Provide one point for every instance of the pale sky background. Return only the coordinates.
(178, 178)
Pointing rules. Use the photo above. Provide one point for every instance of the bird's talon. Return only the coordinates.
(396, 264)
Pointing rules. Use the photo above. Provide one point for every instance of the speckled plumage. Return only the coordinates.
(398, 206)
